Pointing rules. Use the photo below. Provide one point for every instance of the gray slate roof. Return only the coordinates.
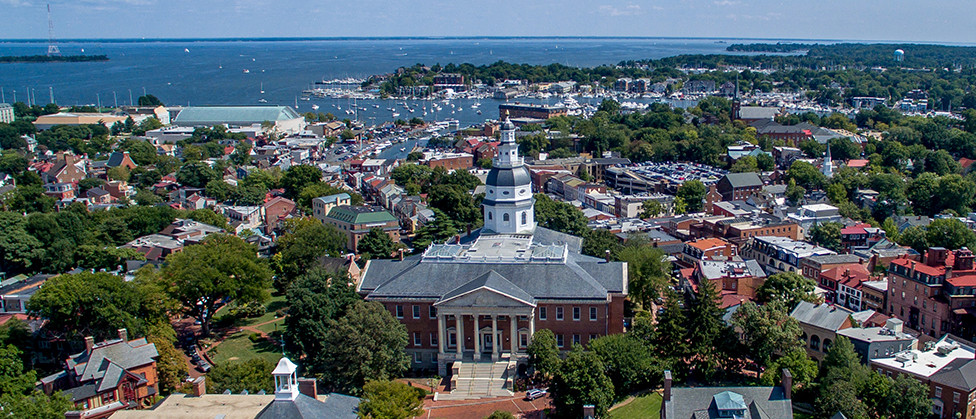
(509, 177)
(235, 115)
(960, 373)
(741, 180)
(493, 281)
(579, 277)
(336, 406)
(699, 402)
(824, 316)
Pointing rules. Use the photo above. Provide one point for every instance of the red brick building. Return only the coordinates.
(935, 295)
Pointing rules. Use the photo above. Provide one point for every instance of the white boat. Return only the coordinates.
(262, 88)
(395, 114)
(315, 107)
(246, 71)
(263, 100)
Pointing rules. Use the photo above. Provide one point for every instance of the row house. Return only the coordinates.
(780, 254)
(735, 280)
(706, 249)
(860, 236)
(843, 285)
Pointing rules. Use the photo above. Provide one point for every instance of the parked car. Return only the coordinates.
(204, 366)
(535, 393)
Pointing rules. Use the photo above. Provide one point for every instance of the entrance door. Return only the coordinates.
(486, 342)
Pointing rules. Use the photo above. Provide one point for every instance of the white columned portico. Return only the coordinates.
(477, 337)
(440, 334)
(460, 335)
(494, 338)
(514, 335)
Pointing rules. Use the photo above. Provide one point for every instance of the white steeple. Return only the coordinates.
(286, 380)
(508, 203)
(828, 165)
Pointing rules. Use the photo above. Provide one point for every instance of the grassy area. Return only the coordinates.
(238, 347)
(646, 406)
(800, 415)
(270, 327)
(224, 318)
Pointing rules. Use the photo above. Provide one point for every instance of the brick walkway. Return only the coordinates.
(479, 409)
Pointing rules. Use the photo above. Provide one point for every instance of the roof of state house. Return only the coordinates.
(544, 265)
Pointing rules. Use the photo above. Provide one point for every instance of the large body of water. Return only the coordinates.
(212, 72)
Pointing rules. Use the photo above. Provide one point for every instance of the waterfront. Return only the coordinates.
(212, 72)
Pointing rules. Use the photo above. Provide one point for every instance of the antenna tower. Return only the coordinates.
(52, 48)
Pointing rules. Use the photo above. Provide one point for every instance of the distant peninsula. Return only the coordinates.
(52, 59)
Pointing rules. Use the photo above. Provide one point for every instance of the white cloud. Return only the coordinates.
(628, 10)
(727, 2)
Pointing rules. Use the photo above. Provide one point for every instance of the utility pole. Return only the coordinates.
(52, 48)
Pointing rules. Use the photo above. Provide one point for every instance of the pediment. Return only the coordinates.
(484, 297)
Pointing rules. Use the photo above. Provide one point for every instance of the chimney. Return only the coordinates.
(199, 386)
(89, 343)
(667, 385)
(469, 229)
(787, 384)
(400, 251)
(124, 335)
(73, 414)
(606, 255)
(308, 387)
(589, 411)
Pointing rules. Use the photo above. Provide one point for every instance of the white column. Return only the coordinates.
(514, 337)
(460, 335)
(440, 334)
(477, 338)
(494, 337)
(531, 325)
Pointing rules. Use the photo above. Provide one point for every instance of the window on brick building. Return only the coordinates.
(542, 313)
(592, 313)
(559, 313)
(416, 312)
(399, 311)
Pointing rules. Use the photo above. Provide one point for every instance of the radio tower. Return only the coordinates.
(52, 48)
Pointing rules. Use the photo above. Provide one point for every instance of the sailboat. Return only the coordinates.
(315, 107)
(262, 88)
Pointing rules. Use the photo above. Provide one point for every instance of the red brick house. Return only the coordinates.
(276, 210)
(936, 295)
(108, 376)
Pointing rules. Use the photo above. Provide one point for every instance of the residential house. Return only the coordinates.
(276, 210)
(16, 291)
(98, 195)
(810, 215)
(294, 397)
(67, 168)
(843, 284)
(108, 376)
(780, 254)
(820, 324)
(860, 236)
(172, 238)
(735, 280)
(727, 402)
(874, 295)
(706, 249)
(345, 265)
(243, 217)
(60, 191)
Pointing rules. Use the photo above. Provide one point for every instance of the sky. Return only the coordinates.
(946, 21)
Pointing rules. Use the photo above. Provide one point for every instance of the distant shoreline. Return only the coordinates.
(451, 38)
(52, 59)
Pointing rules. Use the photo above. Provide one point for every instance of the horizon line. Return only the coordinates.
(434, 38)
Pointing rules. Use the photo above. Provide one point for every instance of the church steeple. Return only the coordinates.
(828, 165)
(508, 203)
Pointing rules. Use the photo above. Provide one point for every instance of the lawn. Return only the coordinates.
(223, 317)
(646, 406)
(238, 347)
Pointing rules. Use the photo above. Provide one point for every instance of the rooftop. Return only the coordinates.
(361, 214)
(236, 115)
(824, 316)
(927, 363)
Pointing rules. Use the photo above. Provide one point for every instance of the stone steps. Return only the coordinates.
(480, 380)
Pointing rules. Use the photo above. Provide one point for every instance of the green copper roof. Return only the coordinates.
(361, 215)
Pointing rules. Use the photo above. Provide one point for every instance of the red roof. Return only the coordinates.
(729, 300)
(855, 229)
(850, 275)
(857, 163)
(923, 268)
(963, 281)
(965, 163)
